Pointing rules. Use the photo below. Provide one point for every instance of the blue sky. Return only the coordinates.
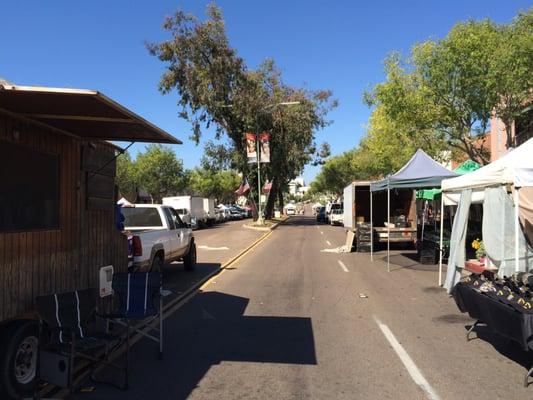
(336, 45)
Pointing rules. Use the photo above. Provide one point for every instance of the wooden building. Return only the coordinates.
(57, 191)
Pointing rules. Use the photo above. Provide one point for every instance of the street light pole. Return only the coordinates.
(259, 215)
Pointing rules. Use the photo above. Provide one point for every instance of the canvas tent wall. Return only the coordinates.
(421, 171)
(514, 171)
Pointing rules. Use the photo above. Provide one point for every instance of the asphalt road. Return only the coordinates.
(215, 246)
(292, 322)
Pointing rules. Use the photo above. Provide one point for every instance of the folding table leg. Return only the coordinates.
(471, 330)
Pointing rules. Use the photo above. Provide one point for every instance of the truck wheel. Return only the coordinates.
(189, 261)
(157, 264)
(18, 360)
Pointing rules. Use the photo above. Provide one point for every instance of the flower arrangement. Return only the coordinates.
(480, 248)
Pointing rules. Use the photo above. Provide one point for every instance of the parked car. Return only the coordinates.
(249, 211)
(219, 216)
(336, 217)
(243, 212)
(235, 213)
(164, 236)
(187, 218)
(321, 214)
(290, 209)
(225, 212)
(330, 207)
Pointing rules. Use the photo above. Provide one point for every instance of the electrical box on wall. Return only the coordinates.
(106, 280)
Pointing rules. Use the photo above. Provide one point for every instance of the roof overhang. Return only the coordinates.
(86, 114)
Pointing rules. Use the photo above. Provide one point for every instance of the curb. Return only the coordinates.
(266, 228)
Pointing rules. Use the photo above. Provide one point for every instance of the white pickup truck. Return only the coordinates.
(164, 237)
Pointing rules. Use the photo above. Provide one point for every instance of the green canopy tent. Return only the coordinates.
(465, 168)
(430, 194)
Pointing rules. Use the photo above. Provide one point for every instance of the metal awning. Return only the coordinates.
(86, 114)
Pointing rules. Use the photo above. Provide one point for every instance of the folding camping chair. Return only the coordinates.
(68, 331)
(140, 297)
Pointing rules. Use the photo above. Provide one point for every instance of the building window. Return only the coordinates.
(29, 189)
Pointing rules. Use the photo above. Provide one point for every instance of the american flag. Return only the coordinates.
(243, 188)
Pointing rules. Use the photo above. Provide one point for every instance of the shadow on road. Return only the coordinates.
(211, 329)
(178, 280)
(407, 260)
(505, 347)
(301, 220)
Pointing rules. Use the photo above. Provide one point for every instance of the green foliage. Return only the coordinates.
(220, 185)
(450, 88)
(512, 69)
(441, 100)
(125, 177)
(158, 171)
(336, 173)
(215, 87)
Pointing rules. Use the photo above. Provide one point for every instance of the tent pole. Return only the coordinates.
(388, 227)
(371, 230)
(425, 209)
(441, 236)
(516, 225)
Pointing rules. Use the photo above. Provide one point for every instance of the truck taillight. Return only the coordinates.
(137, 246)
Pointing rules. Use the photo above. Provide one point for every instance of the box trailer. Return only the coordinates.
(58, 226)
(357, 217)
(194, 204)
(209, 210)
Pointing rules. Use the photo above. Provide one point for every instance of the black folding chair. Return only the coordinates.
(68, 331)
(140, 306)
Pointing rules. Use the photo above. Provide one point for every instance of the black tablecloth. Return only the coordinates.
(500, 317)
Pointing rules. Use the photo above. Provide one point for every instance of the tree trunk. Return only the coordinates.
(253, 204)
(280, 200)
(269, 207)
(510, 143)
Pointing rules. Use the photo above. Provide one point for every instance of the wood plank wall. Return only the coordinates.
(44, 262)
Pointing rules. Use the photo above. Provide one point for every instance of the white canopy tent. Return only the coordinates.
(514, 170)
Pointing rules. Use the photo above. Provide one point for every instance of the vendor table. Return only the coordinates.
(500, 317)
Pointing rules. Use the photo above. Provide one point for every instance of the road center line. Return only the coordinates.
(328, 242)
(343, 266)
(407, 361)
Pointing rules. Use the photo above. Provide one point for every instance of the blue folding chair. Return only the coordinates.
(68, 331)
(140, 296)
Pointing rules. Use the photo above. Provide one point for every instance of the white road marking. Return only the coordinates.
(203, 247)
(343, 266)
(408, 362)
(321, 232)
(328, 242)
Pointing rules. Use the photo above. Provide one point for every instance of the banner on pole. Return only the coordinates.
(251, 151)
(264, 141)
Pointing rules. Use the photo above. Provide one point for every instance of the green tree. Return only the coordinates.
(215, 87)
(445, 87)
(220, 185)
(159, 172)
(511, 70)
(126, 177)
